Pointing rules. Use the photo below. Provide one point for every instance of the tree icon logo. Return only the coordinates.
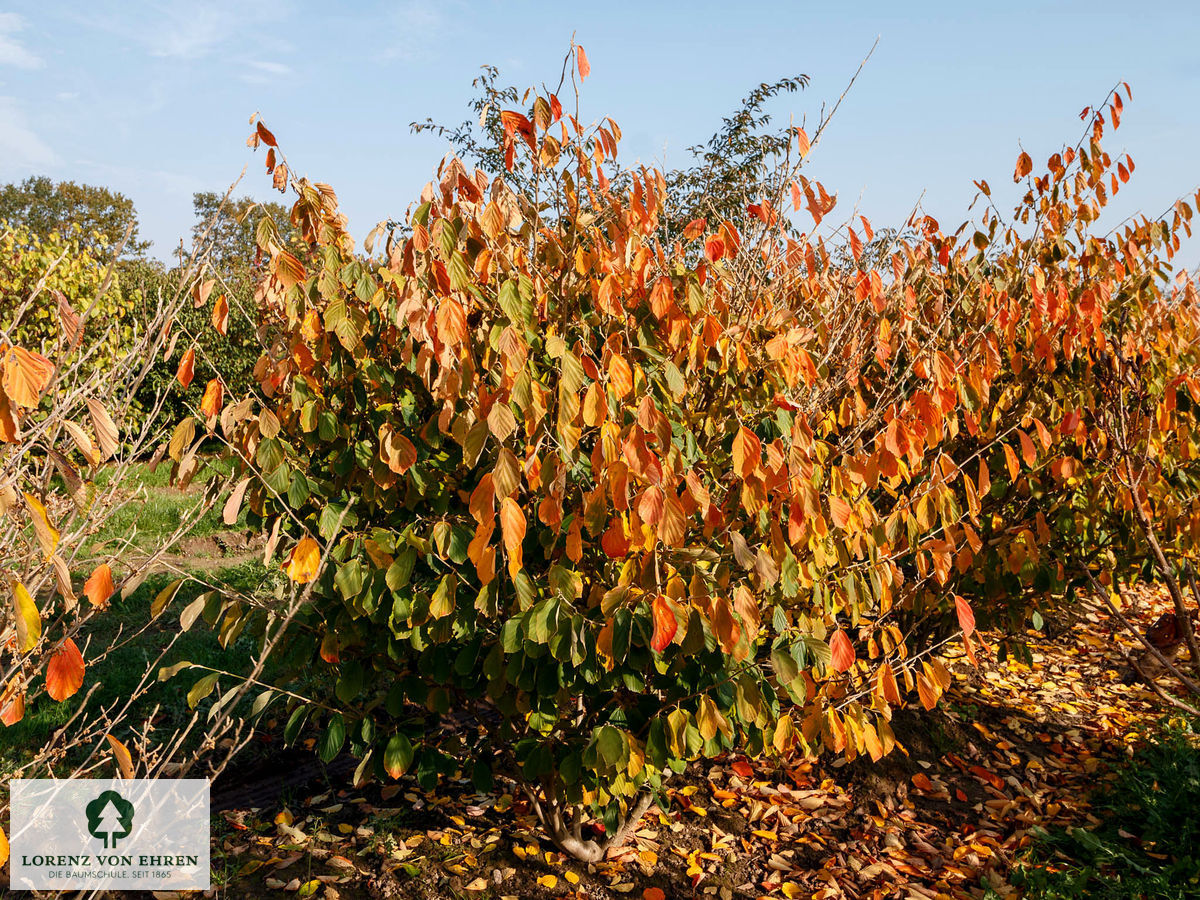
(110, 817)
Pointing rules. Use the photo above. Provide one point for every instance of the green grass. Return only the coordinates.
(155, 508)
(118, 674)
(153, 513)
(1147, 846)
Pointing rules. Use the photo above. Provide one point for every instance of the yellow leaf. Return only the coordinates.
(548, 881)
(304, 561)
(47, 534)
(29, 620)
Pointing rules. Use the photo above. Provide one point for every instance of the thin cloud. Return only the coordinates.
(259, 71)
(20, 147)
(12, 53)
(186, 32)
(413, 25)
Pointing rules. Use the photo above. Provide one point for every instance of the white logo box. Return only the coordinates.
(83, 834)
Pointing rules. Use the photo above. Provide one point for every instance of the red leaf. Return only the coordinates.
(714, 248)
(842, 651)
(665, 624)
(742, 769)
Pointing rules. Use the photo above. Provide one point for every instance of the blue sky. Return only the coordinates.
(153, 99)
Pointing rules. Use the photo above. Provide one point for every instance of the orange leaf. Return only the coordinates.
(665, 623)
(12, 703)
(927, 691)
(585, 68)
(220, 316)
(840, 510)
(1010, 460)
(123, 756)
(747, 451)
(653, 893)
(26, 376)
(187, 368)
(922, 782)
(214, 394)
(694, 229)
(304, 561)
(99, 586)
(742, 769)
(329, 647)
(396, 450)
(1024, 166)
(620, 376)
(966, 618)
(888, 688)
(714, 248)
(842, 651)
(1028, 451)
(802, 142)
(673, 525)
(9, 429)
(512, 527)
(452, 322)
(64, 672)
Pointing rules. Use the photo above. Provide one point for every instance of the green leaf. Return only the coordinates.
(398, 755)
(202, 689)
(611, 746)
(349, 579)
(350, 684)
(400, 570)
(333, 738)
(789, 575)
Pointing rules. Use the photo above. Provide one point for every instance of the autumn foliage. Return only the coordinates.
(605, 498)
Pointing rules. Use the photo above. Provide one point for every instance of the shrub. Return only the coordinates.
(580, 507)
(38, 273)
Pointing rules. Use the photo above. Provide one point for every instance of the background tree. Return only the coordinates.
(233, 247)
(739, 161)
(101, 215)
(229, 343)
